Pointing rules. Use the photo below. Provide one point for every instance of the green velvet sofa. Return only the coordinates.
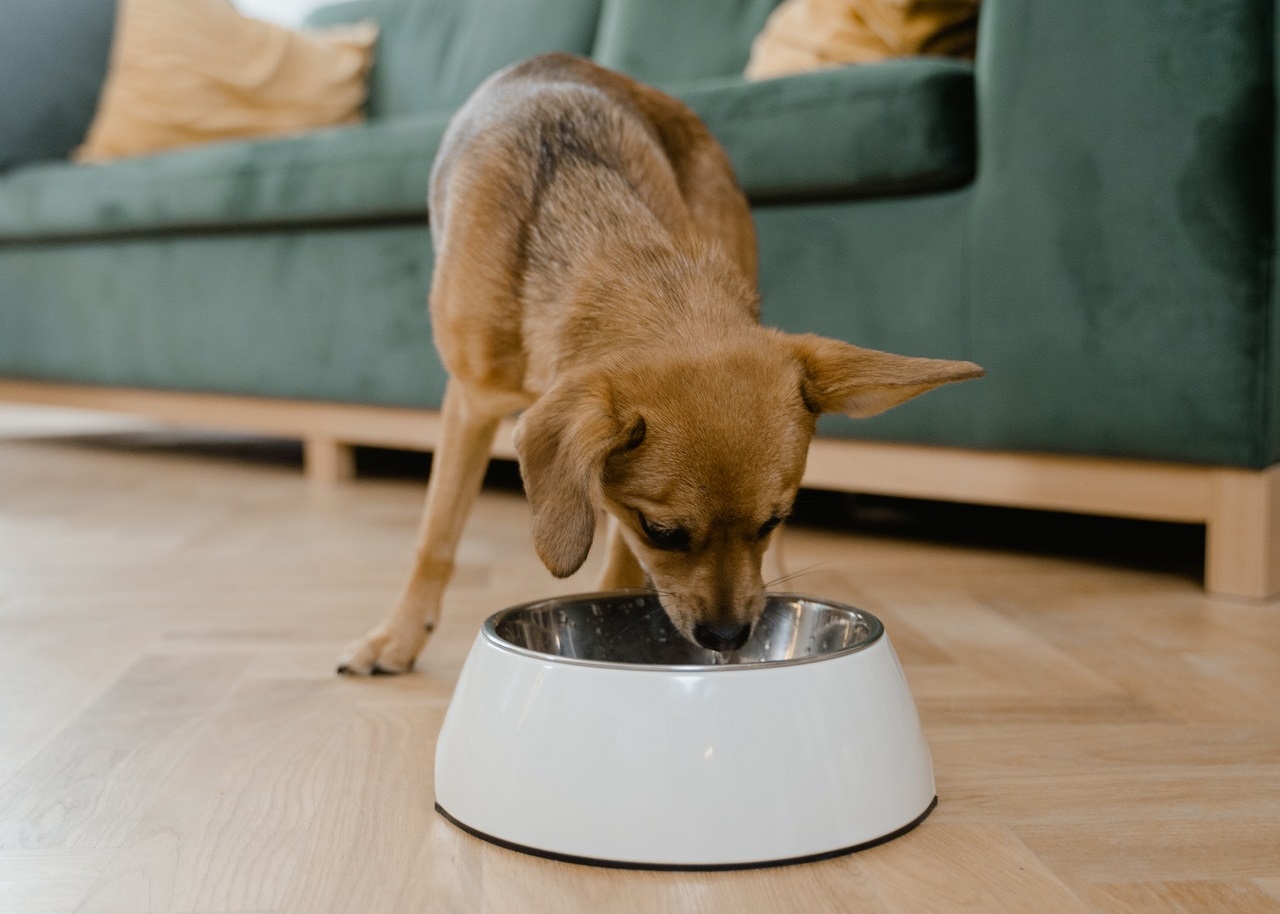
(1087, 211)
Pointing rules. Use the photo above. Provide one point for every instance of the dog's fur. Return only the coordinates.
(596, 267)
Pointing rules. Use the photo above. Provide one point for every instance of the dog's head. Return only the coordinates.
(699, 455)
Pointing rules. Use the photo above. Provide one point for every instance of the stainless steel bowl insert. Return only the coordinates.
(630, 628)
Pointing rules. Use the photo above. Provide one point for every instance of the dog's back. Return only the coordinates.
(545, 162)
(556, 111)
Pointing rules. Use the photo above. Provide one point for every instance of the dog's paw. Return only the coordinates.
(385, 651)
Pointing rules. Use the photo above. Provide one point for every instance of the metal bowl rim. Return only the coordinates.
(490, 632)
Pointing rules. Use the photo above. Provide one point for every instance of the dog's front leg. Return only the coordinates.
(457, 470)
(621, 569)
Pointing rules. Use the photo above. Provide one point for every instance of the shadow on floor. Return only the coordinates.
(1169, 548)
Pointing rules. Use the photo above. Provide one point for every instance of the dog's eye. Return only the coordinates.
(768, 526)
(672, 539)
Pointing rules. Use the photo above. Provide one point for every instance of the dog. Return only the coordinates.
(596, 268)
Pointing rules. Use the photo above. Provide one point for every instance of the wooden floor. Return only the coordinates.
(173, 739)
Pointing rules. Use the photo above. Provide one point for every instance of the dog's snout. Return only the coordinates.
(721, 637)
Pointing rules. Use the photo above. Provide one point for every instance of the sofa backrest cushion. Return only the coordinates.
(53, 59)
(433, 53)
(675, 42)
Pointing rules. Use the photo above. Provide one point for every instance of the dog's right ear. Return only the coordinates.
(562, 442)
(842, 378)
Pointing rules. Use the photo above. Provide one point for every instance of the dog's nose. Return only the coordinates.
(721, 637)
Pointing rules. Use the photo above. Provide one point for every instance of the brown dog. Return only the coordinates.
(595, 266)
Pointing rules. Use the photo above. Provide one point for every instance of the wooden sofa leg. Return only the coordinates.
(327, 460)
(1243, 533)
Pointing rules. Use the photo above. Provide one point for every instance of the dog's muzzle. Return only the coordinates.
(721, 637)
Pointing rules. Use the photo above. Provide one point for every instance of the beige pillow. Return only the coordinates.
(190, 71)
(805, 35)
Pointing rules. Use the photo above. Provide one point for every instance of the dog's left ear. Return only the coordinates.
(562, 442)
(838, 377)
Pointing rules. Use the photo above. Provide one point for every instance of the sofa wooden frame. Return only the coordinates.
(1239, 508)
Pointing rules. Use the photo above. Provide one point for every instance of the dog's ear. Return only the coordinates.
(841, 378)
(562, 442)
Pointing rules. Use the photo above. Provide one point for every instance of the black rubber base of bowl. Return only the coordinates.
(687, 867)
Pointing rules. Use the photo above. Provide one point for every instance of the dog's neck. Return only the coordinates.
(625, 274)
(657, 291)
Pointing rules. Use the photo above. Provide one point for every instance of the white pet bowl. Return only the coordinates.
(586, 729)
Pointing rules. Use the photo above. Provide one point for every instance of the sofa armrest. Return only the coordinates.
(1148, 92)
(1122, 227)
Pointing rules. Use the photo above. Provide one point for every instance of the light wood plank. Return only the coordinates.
(377, 808)
(223, 833)
(1137, 846)
(1182, 897)
(1270, 886)
(48, 882)
(89, 785)
(952, 868)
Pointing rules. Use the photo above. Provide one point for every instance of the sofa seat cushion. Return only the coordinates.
(901, 126)
(373, 171)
